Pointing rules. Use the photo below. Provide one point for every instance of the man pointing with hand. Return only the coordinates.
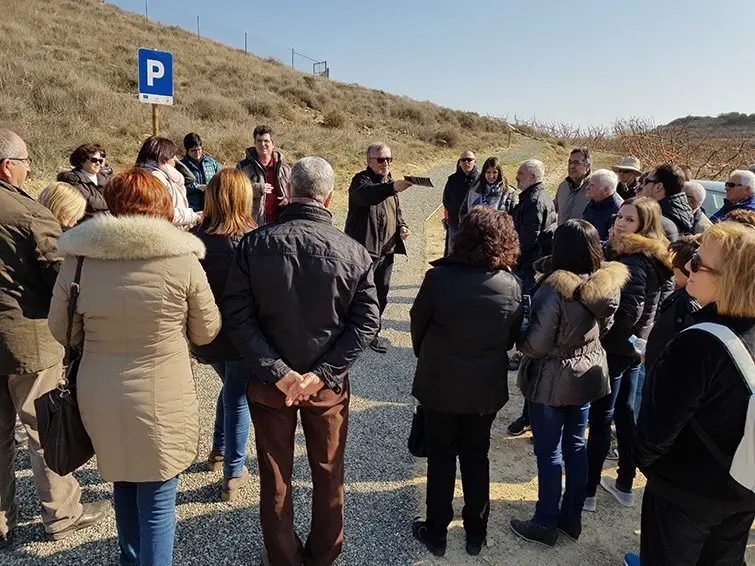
(376, 222)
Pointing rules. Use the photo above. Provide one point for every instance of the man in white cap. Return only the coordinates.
(629, 171)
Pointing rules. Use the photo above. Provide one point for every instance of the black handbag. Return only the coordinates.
(417, 442)
(65, 442)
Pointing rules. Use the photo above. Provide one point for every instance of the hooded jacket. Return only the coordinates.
(649, 264)
(455, 193)
(564, 363)
(678, 218)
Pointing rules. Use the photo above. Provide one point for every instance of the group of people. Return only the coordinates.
(623, 270)
(177, 259)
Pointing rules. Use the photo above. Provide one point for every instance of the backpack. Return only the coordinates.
(742, 467)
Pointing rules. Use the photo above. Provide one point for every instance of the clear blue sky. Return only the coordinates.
(583, 62)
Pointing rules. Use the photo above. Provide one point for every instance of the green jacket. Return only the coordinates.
(29, 264)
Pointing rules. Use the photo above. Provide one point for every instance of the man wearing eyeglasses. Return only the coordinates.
(740, 194)
(665, 184)
(455, 192)
(30, 358)
(375, 221)
(571, 196)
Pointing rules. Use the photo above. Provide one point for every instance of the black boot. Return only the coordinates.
(435, 545)
(532, 532)
(572, 528)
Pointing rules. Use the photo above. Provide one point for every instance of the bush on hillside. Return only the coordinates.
(334, 119)
(258, 107)
(215, 108)
(446, 137)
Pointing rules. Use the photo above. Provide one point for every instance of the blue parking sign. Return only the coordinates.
(155, 76)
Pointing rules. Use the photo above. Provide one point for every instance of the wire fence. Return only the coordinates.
(204, 26)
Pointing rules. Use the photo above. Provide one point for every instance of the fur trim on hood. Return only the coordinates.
(129, 238)
(629, 244)
(601, 285)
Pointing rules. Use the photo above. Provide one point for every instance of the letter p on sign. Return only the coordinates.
(155, 70)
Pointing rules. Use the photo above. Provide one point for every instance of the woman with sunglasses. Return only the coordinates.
(87, 176)
(491, 189)
(636, 240)
(693, 511)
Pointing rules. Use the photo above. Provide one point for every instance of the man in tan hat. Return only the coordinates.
(629, 170)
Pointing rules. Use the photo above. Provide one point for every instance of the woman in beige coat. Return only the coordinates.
(143, 294)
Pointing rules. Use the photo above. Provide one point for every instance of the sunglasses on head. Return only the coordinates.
(467, 159)
(730, 185)
(696, 265)
(96, 160)
(383, 159)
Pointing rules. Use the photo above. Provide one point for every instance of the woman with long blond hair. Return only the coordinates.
(637, 240)
(227, 218)
(694, 412)
(65, 202)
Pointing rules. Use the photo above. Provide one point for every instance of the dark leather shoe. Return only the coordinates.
(92, 514)
(420, 531)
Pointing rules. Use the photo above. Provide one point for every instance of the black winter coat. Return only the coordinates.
(535, 221)
(221, 250)
(300, 295)
(674, 315)
(649, 264)
(563, 361)
(464, 320)
(455, 193)
(601, 214)
(90, 191)
(678, 218)
(366, 220)
(695, 378)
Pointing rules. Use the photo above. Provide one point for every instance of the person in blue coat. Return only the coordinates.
(740, 194)
(604, 203)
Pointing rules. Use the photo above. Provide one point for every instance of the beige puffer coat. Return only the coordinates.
(143, 294)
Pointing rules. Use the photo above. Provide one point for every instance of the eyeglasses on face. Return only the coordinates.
(96, 160)
(26, 160)
(696, 265)
(382, 160)
(649, 180)
(467, 159)
(576, 162)
(730, 185)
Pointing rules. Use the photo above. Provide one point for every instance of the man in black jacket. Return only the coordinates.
(300, 306)
(375, 221)
(455, 192)
(665, 184)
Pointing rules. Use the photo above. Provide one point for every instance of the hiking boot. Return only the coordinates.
(570, 527)
(591, 504)
(420, 531)
(532, 532)
(231, 486)
(380, 344)
(475, 544)
(625, 499)
(519, 427)
(215, 461)
(91, 514)
(631, 559)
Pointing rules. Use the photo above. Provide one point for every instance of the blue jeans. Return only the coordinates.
(450, 233)
(557, 431)
(145, 516)
(638, 395)
(232, 419)
(619, 406)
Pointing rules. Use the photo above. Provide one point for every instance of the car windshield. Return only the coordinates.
(715, 193)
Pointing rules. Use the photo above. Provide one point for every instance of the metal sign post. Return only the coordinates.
(155, 81)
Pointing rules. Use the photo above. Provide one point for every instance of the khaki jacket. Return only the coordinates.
(143, 295)
(29, 263)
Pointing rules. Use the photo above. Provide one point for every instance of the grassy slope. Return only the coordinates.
(68, 76)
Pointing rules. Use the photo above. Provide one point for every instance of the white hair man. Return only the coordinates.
(375, 221)
(571, 196)
(30, 358)
(740, 194)
(604, 201)
(300, 321)
(696, 197)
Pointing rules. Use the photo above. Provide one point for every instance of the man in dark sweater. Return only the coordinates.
(456, 190)
(375, 221)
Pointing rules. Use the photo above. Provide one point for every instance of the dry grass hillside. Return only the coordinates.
(68, 76)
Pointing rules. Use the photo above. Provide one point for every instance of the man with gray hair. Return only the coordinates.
(375, 221)
(740, 194)
(30, 358)
(300, 305)
(604, 201)
(695, 193)
(571, 195)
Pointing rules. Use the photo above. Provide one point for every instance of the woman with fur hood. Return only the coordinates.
(636, 240)
(564, 369)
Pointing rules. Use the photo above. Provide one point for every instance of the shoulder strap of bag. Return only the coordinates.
(742, 358)
(72, 300)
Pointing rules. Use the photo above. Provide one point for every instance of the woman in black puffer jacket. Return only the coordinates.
(637, 241)
(564, 368)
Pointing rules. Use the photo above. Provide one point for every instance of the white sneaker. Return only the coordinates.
(624, 499)
(591, 503)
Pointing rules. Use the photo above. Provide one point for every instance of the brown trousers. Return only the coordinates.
(60, 495)
(325, 421)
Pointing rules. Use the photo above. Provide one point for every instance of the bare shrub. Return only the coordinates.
(447, 137)
(216, 108)
(334, 119)
(259, 107)
(408, 112)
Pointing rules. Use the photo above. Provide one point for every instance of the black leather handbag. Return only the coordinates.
(417, 442)
(64, 439)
